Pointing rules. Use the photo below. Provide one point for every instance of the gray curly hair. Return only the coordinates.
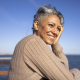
(45, 11)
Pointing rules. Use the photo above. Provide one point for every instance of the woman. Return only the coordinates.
(33, 59)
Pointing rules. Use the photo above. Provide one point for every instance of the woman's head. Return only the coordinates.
(47, 22)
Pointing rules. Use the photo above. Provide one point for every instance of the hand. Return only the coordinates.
(57, 39)
(76, 73)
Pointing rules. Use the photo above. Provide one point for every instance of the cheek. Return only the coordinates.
(43, 30)
(58, 33)
(47, 29)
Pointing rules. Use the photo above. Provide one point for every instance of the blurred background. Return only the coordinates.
(16, 21)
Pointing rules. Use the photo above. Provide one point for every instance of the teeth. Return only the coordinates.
(51, 37)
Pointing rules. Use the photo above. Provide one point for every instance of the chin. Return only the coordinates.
(49, 42)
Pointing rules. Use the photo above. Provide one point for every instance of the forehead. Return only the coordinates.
(53, 18)
(50, 19)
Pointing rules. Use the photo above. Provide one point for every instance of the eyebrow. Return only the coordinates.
(51, 22)
(59, 26)
(54, 24)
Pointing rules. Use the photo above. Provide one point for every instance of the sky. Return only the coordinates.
(16, 21)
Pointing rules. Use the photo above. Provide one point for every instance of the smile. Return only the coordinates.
(51, 37)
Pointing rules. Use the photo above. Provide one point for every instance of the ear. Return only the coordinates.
(36, 24)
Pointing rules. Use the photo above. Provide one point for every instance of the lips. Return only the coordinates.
(51, 37)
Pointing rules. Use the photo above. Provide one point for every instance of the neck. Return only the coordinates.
(35, 33)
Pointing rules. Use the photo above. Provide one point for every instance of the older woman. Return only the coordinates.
(33, 59)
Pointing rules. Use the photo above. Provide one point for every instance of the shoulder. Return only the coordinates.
(33, 39)
(30, 39)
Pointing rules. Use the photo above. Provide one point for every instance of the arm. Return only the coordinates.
(57, 50)
(45, 61)
(76, 73)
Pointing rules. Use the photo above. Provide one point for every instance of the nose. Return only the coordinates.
(54, 31)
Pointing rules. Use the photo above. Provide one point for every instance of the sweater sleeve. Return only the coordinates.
(40, 55)
(58, 51)
(76, 73)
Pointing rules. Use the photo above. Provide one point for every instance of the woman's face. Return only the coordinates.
(49, 29)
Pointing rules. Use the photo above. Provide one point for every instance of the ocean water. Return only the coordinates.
(74, 62)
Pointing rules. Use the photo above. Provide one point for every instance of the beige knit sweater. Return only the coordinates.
(33, 59)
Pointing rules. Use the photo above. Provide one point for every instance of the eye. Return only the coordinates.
(59, 29)
(51, 25)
